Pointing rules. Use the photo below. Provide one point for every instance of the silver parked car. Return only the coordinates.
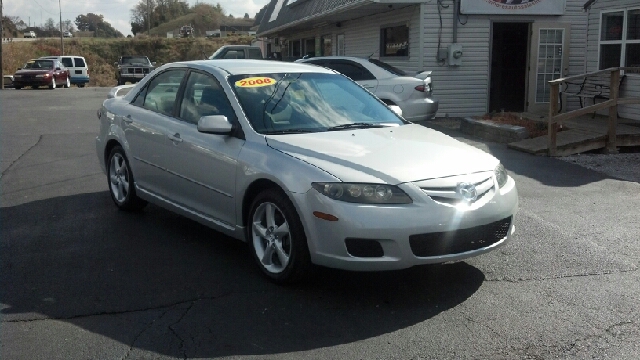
(413, 94)
(302, 164)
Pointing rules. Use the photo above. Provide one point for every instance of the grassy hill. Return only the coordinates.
(200, 24)
(102, 53)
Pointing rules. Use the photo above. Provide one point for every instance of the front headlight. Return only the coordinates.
(501, 175)
(363, 193)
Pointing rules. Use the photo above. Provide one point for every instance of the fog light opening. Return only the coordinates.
(323, 216)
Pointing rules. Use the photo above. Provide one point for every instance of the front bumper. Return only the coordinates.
(419, 109)
(398, 229)
(21, 82)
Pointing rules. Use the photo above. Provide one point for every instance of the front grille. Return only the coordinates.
(367, 248)
(459, 241)
(138, 70)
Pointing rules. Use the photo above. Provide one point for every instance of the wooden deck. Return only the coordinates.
(580, 135)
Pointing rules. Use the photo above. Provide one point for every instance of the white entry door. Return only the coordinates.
(549, 61)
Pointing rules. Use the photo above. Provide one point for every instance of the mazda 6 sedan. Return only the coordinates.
(304, 165)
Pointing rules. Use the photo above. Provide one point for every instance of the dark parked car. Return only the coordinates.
(237, 52)
(42, 72)
(133, 68)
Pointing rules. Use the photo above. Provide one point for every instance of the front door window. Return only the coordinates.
(549, 64)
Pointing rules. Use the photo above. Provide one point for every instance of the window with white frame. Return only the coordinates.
(620, 38)
(340, 45)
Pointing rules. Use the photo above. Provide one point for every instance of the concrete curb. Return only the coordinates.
(486, 130)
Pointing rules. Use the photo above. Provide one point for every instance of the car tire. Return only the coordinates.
(52, 86)
(17, 87)
(121, 182)
(277, 238)
(80, 85)
(68, 83)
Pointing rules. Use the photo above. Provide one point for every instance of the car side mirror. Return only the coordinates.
(58, 68)
(396, 109)
(215, 124)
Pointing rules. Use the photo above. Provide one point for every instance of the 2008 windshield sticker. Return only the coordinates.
(255, 82)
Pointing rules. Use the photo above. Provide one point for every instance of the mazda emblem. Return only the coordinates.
(467, 191)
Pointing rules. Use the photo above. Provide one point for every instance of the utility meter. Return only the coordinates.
(455, 55)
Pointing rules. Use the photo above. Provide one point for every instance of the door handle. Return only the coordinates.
(175, 138)
(128, 119)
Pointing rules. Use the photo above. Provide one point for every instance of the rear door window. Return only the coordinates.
(79, 62)
(255, 54)
(66, 61)
(234, 54)
(352, 70)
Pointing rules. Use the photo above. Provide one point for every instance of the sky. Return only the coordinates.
(115, 12)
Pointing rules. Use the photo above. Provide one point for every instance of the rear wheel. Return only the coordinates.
(121, 183)
(277, 239)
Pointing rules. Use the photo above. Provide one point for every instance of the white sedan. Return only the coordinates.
(304, 165)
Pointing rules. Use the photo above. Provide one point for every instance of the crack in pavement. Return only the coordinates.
(603, 273)
(133, 343)
(21, 155)
(175, 333)
(101, 313)
(53, 183)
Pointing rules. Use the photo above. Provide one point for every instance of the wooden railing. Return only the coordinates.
(555, 119)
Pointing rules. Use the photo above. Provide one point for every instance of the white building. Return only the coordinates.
(486, 55)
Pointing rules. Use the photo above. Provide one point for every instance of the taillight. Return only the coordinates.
(421, 88)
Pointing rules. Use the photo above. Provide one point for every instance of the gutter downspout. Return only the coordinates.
(456, 11)
(423, 11)
(584, 70)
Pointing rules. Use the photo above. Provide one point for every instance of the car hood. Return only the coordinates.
(392, 155)
(32, 72)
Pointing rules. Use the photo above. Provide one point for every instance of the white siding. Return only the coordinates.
(464, 90)
(631, 85)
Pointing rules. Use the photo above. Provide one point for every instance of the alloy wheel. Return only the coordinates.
(271, 237)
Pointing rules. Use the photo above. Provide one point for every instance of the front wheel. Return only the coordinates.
(52, 86)
(68, 83)
(121, 183)
(277, 238)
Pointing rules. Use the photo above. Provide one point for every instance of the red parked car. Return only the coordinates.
(42, 72)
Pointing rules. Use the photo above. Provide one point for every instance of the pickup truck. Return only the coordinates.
(133, 68)
(237, 52)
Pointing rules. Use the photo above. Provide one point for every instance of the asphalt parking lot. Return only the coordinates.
(82, 280)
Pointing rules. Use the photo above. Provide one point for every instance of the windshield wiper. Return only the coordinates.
(358, 125)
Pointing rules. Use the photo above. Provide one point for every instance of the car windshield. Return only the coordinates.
(39, 64)
(135, 60)
(392, 69)
(308, 102)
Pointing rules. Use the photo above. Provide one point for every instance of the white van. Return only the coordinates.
(77, 66)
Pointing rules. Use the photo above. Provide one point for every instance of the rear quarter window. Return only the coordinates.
(79, 62)
(66, 61)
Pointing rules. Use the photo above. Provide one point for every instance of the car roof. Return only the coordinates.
(248, 66)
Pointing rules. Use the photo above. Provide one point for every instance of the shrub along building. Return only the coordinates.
(486, 55)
